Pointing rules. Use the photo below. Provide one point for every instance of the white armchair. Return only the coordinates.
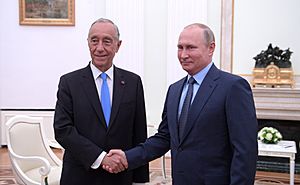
(152, 129)
(33, 161)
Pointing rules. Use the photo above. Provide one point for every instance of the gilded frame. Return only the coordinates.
(47, 13)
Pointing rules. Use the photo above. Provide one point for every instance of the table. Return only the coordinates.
(283, 148)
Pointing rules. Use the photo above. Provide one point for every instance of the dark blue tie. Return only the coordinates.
(105, 98)
(185, 108)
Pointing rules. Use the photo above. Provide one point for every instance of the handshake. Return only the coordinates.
(115, 161)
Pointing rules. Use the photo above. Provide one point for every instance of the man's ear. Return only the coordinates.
(212, 47)
(118, 45)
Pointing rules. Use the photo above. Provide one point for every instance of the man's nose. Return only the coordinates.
(184, 53)
(99, 47)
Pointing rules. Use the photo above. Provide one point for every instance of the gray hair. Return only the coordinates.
(208, 34)
(104, 20)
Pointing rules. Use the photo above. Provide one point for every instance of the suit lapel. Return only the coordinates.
(204, 92)
(119, 87)
(173, 112)
(89, 86)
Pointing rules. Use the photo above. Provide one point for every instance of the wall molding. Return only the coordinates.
(178, 17)
(129, 17)
(227, 35)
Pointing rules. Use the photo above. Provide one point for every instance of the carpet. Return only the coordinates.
(156, 178)
(7, 177)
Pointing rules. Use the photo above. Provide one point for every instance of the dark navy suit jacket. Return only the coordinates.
(219, 146)
(80, 126)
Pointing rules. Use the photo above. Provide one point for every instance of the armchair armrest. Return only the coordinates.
(44, 170)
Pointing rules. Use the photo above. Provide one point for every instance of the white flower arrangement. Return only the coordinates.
(269, 135)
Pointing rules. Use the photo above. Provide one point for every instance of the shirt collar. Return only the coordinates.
(201, 74)
(96, 72)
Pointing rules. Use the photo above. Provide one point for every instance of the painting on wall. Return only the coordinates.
(47, 12)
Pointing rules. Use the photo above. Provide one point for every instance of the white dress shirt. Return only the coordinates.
(98, 81)
(199, 77)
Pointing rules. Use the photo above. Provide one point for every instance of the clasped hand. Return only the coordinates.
(115, 161)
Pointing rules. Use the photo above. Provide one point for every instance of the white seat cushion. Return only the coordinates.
(53, 178)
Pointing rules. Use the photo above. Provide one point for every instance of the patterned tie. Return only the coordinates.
(105, 98)
(185, 108)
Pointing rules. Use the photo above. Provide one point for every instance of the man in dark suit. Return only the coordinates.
(86, 128)
(213, 137)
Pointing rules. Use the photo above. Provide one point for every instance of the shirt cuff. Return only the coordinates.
(135, 183)
(98, 161)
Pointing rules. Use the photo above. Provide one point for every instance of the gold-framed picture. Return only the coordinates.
(47, 12)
